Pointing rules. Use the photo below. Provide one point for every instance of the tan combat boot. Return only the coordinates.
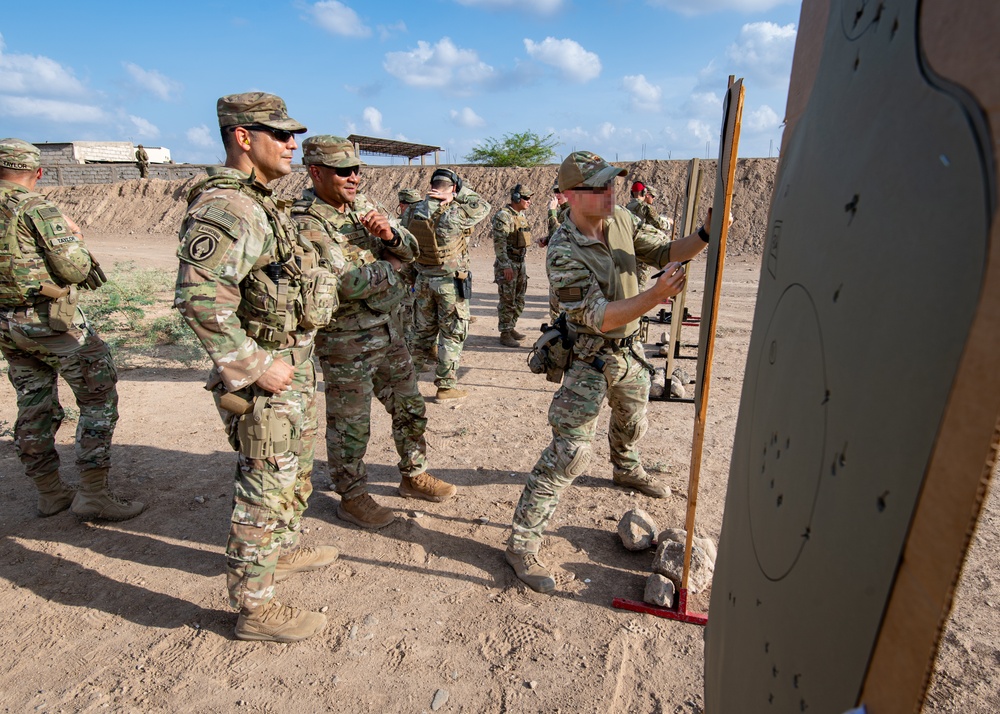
(302, 560)
(507, 339)
(517, 335)
(531, 571)
(54, 495)
(274, 622)
(444, 393)
(427, 487)
(642, 482)
(365, 512)
(94, 501)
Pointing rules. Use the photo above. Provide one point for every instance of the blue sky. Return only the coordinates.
(625, 78)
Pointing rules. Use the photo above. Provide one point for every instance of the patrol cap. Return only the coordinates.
(19, 155)
(651, 192)
(585, 168)
(410, 196)
(326, 150)
(256, 108)
(522, 191)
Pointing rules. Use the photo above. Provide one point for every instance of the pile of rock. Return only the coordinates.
(638, 531)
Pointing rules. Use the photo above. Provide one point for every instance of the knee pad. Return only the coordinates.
(639, 429)
(579, 462)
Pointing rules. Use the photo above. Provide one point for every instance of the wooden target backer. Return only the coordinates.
(867, 426)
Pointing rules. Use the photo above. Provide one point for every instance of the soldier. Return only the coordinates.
(558, 208)
(254, 295)
(43, 334)
(407, 198)
(511, 238)
(363, 352)
(591, 265)
(142, 159)
(641, 205)
(441, 224)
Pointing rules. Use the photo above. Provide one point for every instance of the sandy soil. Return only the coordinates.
(133, 616)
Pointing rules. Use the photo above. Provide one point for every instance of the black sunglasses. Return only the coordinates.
(279, 134)
(592, 189)
(345, 171)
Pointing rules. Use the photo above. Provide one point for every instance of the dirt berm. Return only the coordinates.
(157, 206)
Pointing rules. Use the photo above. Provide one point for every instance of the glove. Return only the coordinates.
(95, 278)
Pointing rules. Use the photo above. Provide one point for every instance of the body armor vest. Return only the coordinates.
(521, 238)
(20, 275)
(424, 229)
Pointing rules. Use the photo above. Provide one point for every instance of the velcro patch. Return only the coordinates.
(572, 294)
(49, 212)
(63, 240)
(225, 220)
(207, 247)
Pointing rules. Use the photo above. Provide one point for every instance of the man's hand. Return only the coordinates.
(508, 274)
(377, 225)
(444, 195)
(277, 378)
(553, 203)
(671, 280)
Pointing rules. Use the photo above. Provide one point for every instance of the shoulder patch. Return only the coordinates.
(223, 219)
(207, 247)
(570, 294)
(49, 212)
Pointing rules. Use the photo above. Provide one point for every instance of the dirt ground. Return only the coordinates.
(133, 616)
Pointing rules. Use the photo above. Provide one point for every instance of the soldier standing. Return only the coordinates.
(407, 198)
(363, 352)
(254, 296)
(641, 205)
(591, 265)
(142, 158)
(511, 238)
(441, 224)
(43, 334)
(558, 208)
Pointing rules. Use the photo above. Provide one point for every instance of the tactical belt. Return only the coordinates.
(295, 355)
(620, 344)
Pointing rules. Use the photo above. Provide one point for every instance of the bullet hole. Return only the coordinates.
(772, 355)
(836, 293)
(826, 396)
(895, 28)
(767, 647)
(880, 502)
(781, 499)
(852, 206)
(858, 15)
(795, 681)
(774, 671)
(857, 62)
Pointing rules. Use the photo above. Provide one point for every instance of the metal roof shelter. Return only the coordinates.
(390, 147)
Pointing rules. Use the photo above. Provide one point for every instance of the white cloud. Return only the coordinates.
(700, 130)
(30, 74)
(644, 96)
(568, 56)
(704, 7)
(152, 81)
(373, 118)
(339, 19)
(443, 65)
(143, 127)
(765, 50)
(387, 31)
(202, 136)
(467, 118)
(764, 119)
(51, 109)
(541, 7)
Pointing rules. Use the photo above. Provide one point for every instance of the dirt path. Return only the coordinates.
(133, 616)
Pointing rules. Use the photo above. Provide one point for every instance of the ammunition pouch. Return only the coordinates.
(319, 298)
(262, 433)
(463, 284)
(552, 353)
(62, 309)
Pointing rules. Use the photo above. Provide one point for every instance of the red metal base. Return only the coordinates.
(680, 613)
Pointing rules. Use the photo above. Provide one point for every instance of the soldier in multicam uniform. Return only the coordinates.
(441, 224)
(511, 238)
(407, 198)
(43, 334)
(142, 160)
(363, 351)
(591, 264)
(558, 210)
(641, 205)
(254, 295)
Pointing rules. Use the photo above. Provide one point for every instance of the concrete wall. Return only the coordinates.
(74, 174)
(81, 152)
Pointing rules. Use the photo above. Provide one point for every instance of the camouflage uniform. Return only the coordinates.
(585, 276)
(646, 214)
(511, 238)
(237, 241)
(556, 218)
(408, 197)
(38, 247)
(439, 313)
(362, 352)
(142, 159)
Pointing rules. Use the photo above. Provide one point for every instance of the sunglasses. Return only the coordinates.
(592, 189)
(279, 134)
(345, 171)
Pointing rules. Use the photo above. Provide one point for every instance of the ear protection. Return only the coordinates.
(450, 175)
(515, 194)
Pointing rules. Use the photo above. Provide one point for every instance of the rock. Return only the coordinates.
(440, 699)
(637, 530)
(664, 350)
(677, 390)
(682, 376)
(532, 684)
(678, 535)
(658, 384)
(199, 499)
(659, 591)
(709, 547)
(669, 561)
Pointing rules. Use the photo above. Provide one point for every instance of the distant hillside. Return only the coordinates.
(157, 206)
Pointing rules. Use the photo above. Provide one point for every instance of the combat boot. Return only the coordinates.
(94, 501)
(427, 487)
(365, 512)
(517, 335)
(302, 560)
(507, 339)
(274, 622)
(642, 482)
(54, 494)
(445, 393)
(531, 571)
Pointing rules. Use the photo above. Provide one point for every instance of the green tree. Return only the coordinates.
(524, 149)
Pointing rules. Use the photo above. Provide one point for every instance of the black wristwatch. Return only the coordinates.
(703, 234)
(396, 239)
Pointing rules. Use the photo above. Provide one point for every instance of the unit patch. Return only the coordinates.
(207, 247)
(572, 294)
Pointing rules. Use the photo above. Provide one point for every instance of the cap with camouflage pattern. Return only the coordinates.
(522, 191)
(410, 196)
(19, 155)
(333, 151)
(256, 108)
(584, 168)
(651, 192)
